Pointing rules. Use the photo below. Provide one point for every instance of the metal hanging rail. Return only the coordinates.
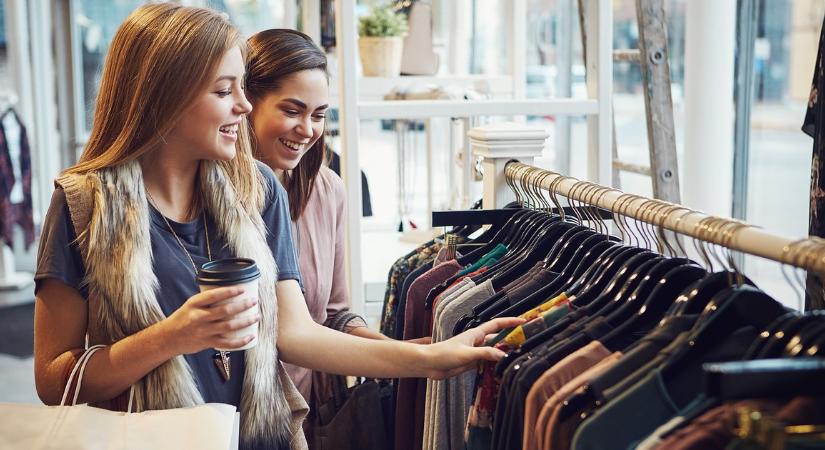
(806, 253)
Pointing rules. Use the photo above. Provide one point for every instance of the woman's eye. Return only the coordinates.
(224, 93)
(291, 112)
(319, 118)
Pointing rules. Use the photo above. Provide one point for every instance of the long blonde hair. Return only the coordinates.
(161, 58)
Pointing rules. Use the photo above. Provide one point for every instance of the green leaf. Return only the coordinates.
(382, 21)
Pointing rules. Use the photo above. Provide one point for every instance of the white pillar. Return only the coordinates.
(709, 109)
(346, 34)
(499, 143)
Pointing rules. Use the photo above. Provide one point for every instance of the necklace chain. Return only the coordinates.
(180, 242)
(224, 355)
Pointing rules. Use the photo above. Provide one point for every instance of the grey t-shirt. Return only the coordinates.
(59, 259)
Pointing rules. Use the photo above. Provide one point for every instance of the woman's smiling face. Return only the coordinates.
(288, 121)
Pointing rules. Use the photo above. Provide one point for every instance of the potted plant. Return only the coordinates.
(381, 42)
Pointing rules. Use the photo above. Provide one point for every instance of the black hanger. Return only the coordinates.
(776, 342)
(504, 309)
(518, 260)
(573, 240)
(663, 293)
(764, 337)
(532, 223)
(602, 273)
(601, 302)
(593, 251)
(614, 287)
(635, 291)
(804, 338)
(728, 312)
(516, 221)
(817, 348)
(531, 256)
(697, 298)
(638, 297)
(593, 301)
(598, 250)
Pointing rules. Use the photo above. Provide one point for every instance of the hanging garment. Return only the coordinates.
(814, 126)
(15, 180)
(409, 412)
(402, 267)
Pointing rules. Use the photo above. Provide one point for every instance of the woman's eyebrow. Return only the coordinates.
(301, 104)
(226, 77)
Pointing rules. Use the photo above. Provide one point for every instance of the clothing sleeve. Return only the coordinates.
(279, 231)
(809, 125)
(339, 296)
(57, 256)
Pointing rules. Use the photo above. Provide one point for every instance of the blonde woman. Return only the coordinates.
(166, 183)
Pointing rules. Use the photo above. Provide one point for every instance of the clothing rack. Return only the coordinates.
(806, 253)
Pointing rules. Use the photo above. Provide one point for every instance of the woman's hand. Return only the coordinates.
(203, 323)
(461, 353)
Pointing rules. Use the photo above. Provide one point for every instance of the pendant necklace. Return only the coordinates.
(221, 358)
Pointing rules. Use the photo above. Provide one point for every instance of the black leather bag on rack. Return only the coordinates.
(354, 418)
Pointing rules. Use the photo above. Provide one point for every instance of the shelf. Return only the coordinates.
(374, 88)
(416, 109)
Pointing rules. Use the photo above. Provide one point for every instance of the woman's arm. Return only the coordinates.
(60, 322)
(303, 342)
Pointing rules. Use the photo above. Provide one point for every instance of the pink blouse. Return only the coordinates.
(319, 241)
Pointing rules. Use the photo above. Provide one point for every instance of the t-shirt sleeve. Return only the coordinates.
(279, 228)
(57, 256)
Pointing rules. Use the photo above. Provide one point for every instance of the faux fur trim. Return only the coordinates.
(110, 212)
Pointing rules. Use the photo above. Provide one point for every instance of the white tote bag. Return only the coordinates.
(210, 426)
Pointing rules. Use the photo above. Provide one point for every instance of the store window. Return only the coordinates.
(251, 16)
(94, 24)
(4, 70)
(779, 153)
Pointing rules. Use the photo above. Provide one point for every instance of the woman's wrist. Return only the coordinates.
(419, 359)
(367, 333)
(167, 342)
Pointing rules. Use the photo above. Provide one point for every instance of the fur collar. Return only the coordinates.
(110, 213)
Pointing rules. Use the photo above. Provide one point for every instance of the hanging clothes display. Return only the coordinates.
(15, 179)
(613, 349)
(814, 126)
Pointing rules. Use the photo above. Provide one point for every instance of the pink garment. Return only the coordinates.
(319, 241)
(554, 379)
(549, 413)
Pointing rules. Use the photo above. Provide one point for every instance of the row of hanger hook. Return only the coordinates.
(640, 221)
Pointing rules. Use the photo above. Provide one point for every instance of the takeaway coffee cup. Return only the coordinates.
(234, 272)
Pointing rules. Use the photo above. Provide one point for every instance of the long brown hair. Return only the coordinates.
(161, 58)
(275, 55)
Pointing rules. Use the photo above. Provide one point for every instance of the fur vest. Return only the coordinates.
(110, 214)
